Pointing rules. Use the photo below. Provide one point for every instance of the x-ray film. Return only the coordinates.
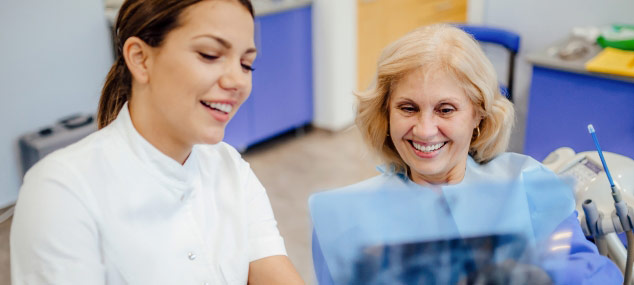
(477, 260)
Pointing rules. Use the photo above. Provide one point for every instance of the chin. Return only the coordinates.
(427, 170)
(212, 137)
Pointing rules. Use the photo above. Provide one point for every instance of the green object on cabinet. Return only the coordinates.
(619, 36)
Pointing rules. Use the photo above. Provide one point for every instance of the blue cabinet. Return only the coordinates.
(563, 103)
(282, 96)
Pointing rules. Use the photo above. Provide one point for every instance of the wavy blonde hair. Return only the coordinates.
(438, 48)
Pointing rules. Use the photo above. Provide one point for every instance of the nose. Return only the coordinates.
(234, 77)
(426, 127)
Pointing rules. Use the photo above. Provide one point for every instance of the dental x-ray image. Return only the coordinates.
(493, 259)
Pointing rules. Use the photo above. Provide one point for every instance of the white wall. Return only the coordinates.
(335, 62)
(475, 11)
(54, 57)
(541, 23)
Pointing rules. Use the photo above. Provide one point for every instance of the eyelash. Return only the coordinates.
(412, 109)
(213, 57)
(446, 108)
(407, 108)
(248, 67)
(208, 57)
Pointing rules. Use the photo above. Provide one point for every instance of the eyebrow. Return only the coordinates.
(403, 99)
(408, 100)
(224, 42)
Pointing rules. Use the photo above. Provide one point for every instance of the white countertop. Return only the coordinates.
(548, 58)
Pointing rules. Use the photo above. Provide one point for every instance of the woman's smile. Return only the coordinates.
(427, 150)
(219, 110)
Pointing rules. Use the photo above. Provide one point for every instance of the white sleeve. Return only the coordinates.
(264, 237)
(54, 239)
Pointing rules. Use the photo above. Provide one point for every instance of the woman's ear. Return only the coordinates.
(479, 120)
(136, 53)
(478, 117)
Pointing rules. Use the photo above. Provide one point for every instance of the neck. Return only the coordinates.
(156, 131)
(455, 175)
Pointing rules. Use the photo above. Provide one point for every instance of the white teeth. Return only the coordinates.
(219, 106)
(428, 148)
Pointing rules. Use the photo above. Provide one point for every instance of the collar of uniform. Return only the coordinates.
(157, 163)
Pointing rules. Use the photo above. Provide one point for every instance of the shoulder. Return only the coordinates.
(74, 161)
(65, 178)
(513, 160)
(510, 165)
(549, 198)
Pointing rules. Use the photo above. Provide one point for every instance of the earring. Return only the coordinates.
(478, 132)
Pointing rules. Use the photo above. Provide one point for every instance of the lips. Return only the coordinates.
(218, 106)
(218, 110)
(427, 150)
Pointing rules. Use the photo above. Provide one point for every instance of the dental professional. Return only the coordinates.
(435, 116)
(155, 196)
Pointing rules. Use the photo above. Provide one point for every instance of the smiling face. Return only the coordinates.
(197, 78)
(431, 123)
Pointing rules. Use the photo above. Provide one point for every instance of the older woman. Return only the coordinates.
(435, 116)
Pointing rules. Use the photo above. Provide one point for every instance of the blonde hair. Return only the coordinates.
(438, 48)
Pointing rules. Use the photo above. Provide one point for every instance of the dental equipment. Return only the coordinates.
(621, 219)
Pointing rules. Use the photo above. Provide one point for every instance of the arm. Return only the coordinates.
(585, 265)
(273, 270)
(268, 261)
(54, 239)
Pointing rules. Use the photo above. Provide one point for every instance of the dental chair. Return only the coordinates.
(591, 184)
(505, 38)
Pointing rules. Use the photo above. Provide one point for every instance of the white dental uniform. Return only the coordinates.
(112, 209)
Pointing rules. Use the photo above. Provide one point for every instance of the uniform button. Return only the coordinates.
(191, 256)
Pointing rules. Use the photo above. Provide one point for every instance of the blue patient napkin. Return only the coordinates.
(390, 210)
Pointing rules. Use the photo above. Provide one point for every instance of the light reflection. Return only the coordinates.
(562, 235)
(560, 247)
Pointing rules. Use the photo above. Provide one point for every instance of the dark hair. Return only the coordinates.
(151, 21)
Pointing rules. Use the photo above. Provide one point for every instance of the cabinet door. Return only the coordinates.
(282, 81)
(381, 22)
(371, 36)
